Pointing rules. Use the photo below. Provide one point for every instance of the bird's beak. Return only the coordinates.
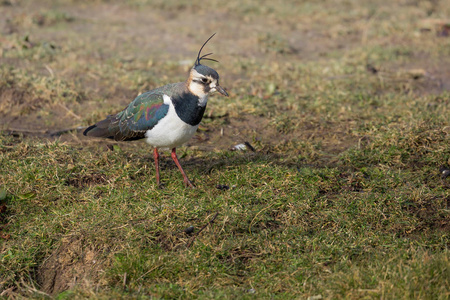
(221, 90)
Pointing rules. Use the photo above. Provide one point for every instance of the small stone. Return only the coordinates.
(189, 230)
(445, 172)
(242, 147)
(239, 147)
(222, 187)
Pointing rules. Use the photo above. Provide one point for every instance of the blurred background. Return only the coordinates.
(295, 69)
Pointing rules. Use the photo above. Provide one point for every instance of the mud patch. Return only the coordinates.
(264, 136)
(22, 112)
(75, 263)
(81, 181)
(172, 241)
(241, 257)
(432, 213)
(3, 214)
(17, 102)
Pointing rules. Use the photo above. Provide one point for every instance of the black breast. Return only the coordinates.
(187, 108)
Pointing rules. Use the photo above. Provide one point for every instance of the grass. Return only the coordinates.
(347, 110)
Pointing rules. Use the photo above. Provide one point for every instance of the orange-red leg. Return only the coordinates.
(156, 156)
(186, 180)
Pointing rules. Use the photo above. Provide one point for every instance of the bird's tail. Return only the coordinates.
(107, 128)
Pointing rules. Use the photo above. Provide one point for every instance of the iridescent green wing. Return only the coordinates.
(141, 115)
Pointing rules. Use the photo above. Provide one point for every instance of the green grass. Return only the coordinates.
(342, 199)
(281, 230)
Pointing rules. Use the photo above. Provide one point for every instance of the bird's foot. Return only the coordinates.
(161, 186)
(188, 183)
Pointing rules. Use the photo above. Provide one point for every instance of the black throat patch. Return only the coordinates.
(187, 108)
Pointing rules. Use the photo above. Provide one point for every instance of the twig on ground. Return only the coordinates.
(201, 229)
(18, 131)
(69, 111)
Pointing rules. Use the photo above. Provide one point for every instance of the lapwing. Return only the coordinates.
(166, 117)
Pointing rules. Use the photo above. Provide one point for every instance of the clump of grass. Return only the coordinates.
(276, 44)
(304, 218)
(48, 17)
(397, 146)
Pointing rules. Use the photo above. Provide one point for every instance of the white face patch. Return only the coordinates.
(195, 87)
(212, 86)
(198, 88)
(196, 74)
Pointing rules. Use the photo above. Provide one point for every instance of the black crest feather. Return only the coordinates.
(199, 58)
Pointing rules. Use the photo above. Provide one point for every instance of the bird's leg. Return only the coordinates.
(187, 182)
(156, 156)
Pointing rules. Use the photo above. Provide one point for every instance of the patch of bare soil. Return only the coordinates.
(81, 181)
(20, 111)
(3, 214)
(430, 213)
(333, 138)
(13, 99)
(74, 263)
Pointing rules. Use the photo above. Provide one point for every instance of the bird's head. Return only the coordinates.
(204, 80)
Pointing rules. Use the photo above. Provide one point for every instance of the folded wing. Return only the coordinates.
(133, 122)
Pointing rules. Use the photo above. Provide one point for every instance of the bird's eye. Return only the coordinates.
(204, 80)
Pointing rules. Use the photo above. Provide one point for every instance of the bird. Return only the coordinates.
(166, 117)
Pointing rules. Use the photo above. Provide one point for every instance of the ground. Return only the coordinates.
(342, 194)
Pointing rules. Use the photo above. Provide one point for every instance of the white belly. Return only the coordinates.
(171, 131)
